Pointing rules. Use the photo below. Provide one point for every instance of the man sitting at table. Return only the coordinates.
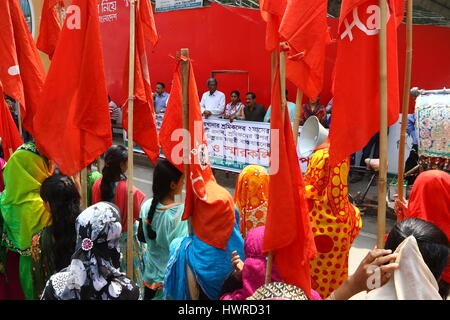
(253, 111)
(212, 104)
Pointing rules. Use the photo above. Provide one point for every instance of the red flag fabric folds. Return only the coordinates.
(356, 87)
(210, 205)
(10, 136)
(73, 126)
(304, 26)
(145, 133)
(21, 69)
(288, 232)
(272, 12)
(148, 23)
(49, 29)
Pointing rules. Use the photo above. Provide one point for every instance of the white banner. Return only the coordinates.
(169, 5)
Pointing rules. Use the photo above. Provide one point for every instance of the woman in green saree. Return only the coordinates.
(53, 246)
(22, 214)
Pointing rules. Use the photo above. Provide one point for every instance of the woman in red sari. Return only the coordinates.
(430, 201)
(113, 187)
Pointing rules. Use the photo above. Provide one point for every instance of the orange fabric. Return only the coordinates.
(18, 50)
(9, 134)
(356, 83)
(251, 197)
(73, 126)
(430, 201)
(335, 221)
(170, 206)
(155, 286)
(304, 26)
(271, 12)
(121, 200)
(49, 29)
(210, 205)
(144, 125)
(287, 232)
(148, 23)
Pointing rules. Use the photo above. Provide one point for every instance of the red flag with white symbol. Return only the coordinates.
(356, 101)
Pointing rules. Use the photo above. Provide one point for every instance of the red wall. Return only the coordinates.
(228, 38)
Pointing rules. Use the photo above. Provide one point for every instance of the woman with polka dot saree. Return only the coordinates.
(334, 220)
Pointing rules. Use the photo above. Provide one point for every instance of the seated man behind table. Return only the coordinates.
(160, 97)
(291, 110)
(253, 111)
(212, 104)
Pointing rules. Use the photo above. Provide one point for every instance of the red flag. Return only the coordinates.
(73, 126)
(144, 124)
(10, 136)
(49, 28)
(288, 232)
(148, 23)
(21, 69)
(272, 12)
(210, 205)
(356, 111)
(304, 26)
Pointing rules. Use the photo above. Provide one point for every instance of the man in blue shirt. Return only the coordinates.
(291, 110)
(160, 98)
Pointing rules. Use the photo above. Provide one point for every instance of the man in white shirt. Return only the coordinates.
(212, 104)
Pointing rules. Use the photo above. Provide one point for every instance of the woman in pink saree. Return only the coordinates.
(250, 275)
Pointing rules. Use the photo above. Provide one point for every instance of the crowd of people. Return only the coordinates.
(52, 249)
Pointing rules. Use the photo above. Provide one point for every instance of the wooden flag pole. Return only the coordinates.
(297, 114)
(405, 104)
(19, 118)
(282, 66)
(130, 139)
(84, 188)
(185, 117)
(382, 177)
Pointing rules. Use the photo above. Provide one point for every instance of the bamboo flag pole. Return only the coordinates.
(381, 219)
(298, 112)
(130, 140)
(84, 188)
(185, 116)
(406, 85)
(282, 66)
(19, 117)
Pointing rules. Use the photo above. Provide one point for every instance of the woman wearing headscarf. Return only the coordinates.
(93, 273)
(22, 214)
(113, 187)
(53, 246)
(335, 221)
(251, 197)
(430, 201)
(250, 275)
